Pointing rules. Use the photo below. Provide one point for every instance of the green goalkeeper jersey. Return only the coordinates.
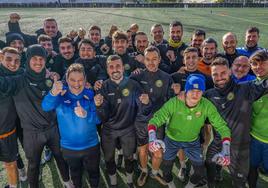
(184, 123)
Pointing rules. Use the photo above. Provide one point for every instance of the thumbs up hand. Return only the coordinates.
(57, 87)
(80, 111)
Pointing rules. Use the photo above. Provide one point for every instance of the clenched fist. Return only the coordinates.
(98, 99)
(144, 98)
(14, 17)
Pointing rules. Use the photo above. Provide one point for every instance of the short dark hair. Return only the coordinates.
(86, 41)
(95, 27)
(119, 35)
(113, 58)
(252, 30)
(152, 49)
(258, 56)
(140, 33)
(190, 49)
(43, 38)
(65, 39)
(176, 23)
(220, 61)
(199, 32)
(208, 41)
(156, 25)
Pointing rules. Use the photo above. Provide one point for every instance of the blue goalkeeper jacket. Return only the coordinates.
(76, 133)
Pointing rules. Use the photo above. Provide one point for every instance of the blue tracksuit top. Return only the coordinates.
(248, 51)
(246, 78)
(75, 133)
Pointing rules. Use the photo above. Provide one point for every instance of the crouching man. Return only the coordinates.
(184, 119)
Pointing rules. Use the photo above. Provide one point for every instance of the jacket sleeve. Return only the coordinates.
(50, 102)
(14, 27)
(217, 121)
(28, 39)
(170, 90)
(94, 114)
(103, 111)
(10, 85)
(257, 89)
(164, 114)
(101, 75)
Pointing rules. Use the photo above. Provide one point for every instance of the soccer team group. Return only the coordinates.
(162, 100)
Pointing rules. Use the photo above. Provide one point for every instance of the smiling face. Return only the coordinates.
(18, 44)
(220, 75)
(51, 28)
(209, 51)
(115, 70)
(120, 46)
(251, 39)
(11, 61)
(152, 61)
(37, 63)
(86, 51)
(190, 60)
(260, 68)
(240, 67)
(47, 45)
(141, 42)
(157, 34)
(95, 36)
(197, 40)
(66, 50)
(229, 43)
(76, 82)
(176, 33)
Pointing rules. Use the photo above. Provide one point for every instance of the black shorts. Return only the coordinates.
(9, 148)
(141, 133)
(127, 142)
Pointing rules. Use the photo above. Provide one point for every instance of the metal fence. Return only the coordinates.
(132, 5)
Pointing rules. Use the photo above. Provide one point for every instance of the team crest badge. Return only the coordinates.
(196, 86)
(51, 61)
(127, 67)
(159, 83)
(125, 92)
(230, 96)
(49, 83)
(198, 114)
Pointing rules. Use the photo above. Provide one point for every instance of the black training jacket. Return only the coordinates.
(8, 111)
(121, 106)
(234, 103)
(157, 85)
(28, 95)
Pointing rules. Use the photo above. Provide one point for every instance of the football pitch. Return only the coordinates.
(215, 21)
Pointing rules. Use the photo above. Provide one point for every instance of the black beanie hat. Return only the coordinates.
(13, 36)
(36, 50)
